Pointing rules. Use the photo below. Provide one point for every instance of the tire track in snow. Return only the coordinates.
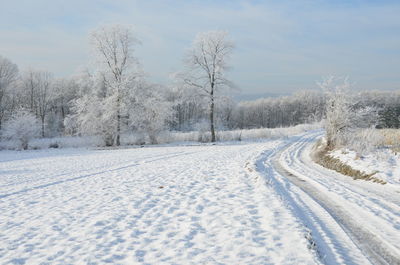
(46, 185)
(21, 182)
(372, 245)
(332, 244)
(296, 160)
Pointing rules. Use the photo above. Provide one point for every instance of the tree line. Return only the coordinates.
(115, 98)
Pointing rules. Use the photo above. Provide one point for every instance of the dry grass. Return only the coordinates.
(391, 138)
(321, 157)
(366, 140)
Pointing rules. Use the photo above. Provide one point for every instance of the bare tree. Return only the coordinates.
(114, 47)
(8, 75)
(44, 96)
(38, 91)
(30, 86)
(206, 66)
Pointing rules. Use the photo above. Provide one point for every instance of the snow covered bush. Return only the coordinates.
(203, 134)
(338, 110)
(21, 128)
(344, 117)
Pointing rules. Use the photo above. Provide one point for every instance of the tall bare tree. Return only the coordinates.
(206, 65)
(44, 96)
(30, 84)
(39, 92)
(8, 75)
(114, 46)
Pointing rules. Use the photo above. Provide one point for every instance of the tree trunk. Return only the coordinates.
(212, 114)
(32, 98)
(118, 141)
(62, 112)
(42, 118)
(24, 144)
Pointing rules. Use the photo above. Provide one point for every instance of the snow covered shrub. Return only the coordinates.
(135, 138)
(21, 128)
(338, 110)
(344, 118)
(235, 135)
(203, 132)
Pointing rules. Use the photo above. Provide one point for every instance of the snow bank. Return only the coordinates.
(384, 162)
(373, 151)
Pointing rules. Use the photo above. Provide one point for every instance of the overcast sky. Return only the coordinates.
(281, 46)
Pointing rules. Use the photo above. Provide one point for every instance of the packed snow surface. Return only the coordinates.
(158, 205)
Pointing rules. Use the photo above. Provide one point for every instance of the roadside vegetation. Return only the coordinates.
(322, 157)
(352, 126)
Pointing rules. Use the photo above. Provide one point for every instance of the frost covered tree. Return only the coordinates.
(8, 75)
(149, 111)
(114, 47)
(344, 116)
(22, 127)
(206, 66)
(338, 109)
(90, 111)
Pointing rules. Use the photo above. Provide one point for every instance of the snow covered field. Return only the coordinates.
(180, 205)
(207, 204)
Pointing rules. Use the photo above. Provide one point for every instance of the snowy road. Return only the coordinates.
(368, 212)
(222, 204)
